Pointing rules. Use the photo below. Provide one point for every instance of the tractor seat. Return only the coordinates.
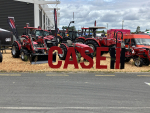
(69, 42)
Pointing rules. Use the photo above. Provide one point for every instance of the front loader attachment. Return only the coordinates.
(40, 58)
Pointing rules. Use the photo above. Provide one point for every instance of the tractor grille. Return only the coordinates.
(49, 43)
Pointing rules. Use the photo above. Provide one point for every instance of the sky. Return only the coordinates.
(114, 13)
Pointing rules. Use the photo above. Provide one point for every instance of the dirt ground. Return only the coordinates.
(11, 64)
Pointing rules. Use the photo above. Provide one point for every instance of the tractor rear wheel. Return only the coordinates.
(24, 54)
(80, 41)
(64, 52)
(138, 62)
(15, 50)
(93, 44)
(1, 57)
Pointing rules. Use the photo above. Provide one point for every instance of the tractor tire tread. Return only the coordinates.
(17, 50)
(65, 52)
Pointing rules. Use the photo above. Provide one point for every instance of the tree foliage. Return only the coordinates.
(138, 29)
(70, 28)
(147, 30)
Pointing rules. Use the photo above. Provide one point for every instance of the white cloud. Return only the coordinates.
(133, 12)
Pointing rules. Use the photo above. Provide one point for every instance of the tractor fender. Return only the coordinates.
(19, 45)
(65, 45)
(45, 38)
(81, 38)
(60, 36)
(94, 40)
(25, 36)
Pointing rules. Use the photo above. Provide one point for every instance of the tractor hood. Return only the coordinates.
(81, 45)
(50, 37)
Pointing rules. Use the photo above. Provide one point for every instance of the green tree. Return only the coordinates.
(138, 29)
(70, 28)
(146, 30)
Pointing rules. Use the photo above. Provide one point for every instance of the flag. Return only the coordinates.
(11, 22)
(55, 20)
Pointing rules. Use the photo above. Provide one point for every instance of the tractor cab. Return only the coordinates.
(93, 30)
(36, 33)
(73, 35)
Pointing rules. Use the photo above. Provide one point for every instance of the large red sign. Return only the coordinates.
(115, 59)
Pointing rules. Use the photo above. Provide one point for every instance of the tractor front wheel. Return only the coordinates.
(64, 52)
(138, 62)
(24, 54)
(15, 50)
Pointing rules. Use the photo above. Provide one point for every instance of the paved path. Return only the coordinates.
(74, 92)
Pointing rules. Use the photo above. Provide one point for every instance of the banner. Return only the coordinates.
(55, 20)
(12, 25)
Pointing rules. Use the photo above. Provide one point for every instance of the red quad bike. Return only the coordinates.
(141, 56)
(29, 45)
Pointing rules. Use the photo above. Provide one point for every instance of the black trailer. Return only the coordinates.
(6, 39)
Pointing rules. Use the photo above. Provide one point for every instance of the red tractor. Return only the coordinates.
(51, 33)
(30, 45)
(96, 41)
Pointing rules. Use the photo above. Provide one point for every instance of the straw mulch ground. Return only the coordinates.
(11, 64)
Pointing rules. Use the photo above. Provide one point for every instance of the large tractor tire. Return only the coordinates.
(138, 62)
(64, 52)
(1, 57)
(24, 54)
(15, 50)
(80, 41)
(93, 44)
